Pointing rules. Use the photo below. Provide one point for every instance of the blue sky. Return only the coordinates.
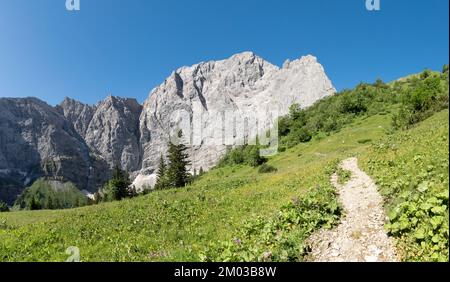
(127, 47)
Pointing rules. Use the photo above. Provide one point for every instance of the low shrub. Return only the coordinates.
(265, 168)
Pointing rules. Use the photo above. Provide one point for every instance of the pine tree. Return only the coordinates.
(177, 173)
(161, 177)
(117, 188)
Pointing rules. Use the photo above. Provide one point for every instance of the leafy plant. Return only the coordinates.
(411, 168)
(281, 237)
(343, 175)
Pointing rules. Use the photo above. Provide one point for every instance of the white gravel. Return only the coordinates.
(360, 236)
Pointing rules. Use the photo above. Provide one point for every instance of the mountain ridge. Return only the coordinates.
(121, 131)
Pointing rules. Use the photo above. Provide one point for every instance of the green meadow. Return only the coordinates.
(179, 224)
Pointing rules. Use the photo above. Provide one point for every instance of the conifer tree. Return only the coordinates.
(177, 173)
(161, 175)
(117, 188)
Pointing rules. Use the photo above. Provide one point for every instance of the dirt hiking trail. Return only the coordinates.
(360, 236)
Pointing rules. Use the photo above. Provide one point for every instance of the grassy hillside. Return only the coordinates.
(184, 224)
(398, 131)
(411, 170)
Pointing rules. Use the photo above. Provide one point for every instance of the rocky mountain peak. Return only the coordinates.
(81, 143)
(243, 82)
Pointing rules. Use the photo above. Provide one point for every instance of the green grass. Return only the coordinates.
(181, 224)
(411, 171)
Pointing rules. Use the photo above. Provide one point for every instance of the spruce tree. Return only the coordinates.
(161, 177)
(177, 173)
(117, 188)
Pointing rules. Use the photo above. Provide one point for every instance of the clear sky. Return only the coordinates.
(127, 47)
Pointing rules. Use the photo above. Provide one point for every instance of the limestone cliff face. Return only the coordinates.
(244, 83)
(77, 113)
(35, 141)
(81, 143)
(113, 132)
(110, 129)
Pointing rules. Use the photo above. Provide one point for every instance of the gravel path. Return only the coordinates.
(360, 237)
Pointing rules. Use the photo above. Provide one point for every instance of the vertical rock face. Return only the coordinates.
(81, 143)
(35, 141)
(114, 134)
(215, 86)
(110, 129)
(79, 114)
(244, 83)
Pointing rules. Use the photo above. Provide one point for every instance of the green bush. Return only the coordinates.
(253, 156)
(248, 155)
(237, 156)
(428, 95)
(265, 168)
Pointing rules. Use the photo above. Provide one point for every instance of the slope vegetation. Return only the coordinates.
(236, 212)
(204, 221)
